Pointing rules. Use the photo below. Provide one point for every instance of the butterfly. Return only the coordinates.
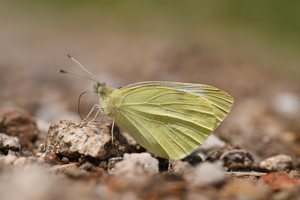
(168, 119)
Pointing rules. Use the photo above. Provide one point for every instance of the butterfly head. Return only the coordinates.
(102, 89)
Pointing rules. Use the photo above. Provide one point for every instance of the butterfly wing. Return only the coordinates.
(169, 119)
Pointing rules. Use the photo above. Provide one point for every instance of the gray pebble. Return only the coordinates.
(9, 142)
(87, 166)
(41, 148)
(237, 159)
(136, 164)
(277, 163)
(179, 166)
(65, 160)
(206, 174)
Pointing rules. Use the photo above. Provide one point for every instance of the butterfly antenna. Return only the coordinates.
(76, 75)
(83, 68)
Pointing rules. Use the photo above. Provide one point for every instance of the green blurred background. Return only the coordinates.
(268, 27)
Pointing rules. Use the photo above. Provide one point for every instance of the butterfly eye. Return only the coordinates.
(101, 88)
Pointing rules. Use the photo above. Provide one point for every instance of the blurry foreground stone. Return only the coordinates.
(74, 139)
(281, 181)
(9, 159)
(8, 143)
(205, 174)
(20, 125)
(277, 163)
(249, 189)
(136, 164)
(237, 159)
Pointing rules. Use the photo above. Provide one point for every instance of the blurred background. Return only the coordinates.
(248, 48)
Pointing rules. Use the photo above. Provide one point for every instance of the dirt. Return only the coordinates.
(264, 123)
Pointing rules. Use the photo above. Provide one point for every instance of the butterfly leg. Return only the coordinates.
(96, 114)
(112, 131)
(170, 169)
(90, 112)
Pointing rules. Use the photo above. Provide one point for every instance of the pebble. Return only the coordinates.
(65, 160)
(214, 154)
(136, 164)
(206, 173)
(237, 159)
(75, 173)
(179, 167)
(41, 148)
(72, 139)
(9, 143)
(21, 125)
(280, 162)
(87, 166)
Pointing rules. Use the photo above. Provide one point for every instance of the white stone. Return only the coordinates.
(136, 164)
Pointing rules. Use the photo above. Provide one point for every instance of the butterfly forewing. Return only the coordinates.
(170, 119)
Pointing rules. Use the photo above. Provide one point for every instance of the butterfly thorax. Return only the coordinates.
(107, 103)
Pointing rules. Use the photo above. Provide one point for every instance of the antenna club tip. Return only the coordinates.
(62, 71)
(69, 55)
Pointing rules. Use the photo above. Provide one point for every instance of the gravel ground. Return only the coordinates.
(46, 153)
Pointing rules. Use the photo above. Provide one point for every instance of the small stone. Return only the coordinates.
(20, 125)
(65, 160)
(280, 180)
(41, 148)
(179, 167)
(87, 166)
(237, 159)
(40, 158)
(277, 163)
(8, 143)
(74, 173)
(214, 154)
(206, 173)
(136, 164)
(74, 139)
